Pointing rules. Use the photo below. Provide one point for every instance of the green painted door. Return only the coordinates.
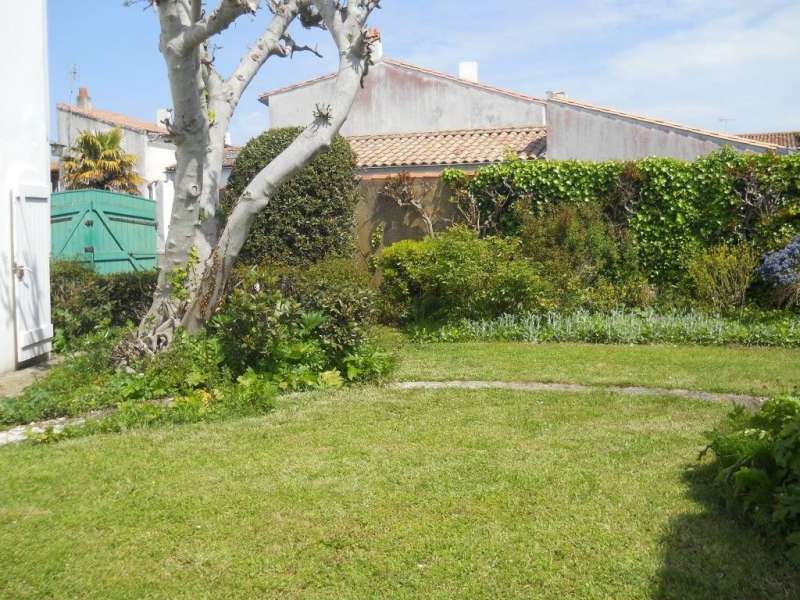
(112, 232)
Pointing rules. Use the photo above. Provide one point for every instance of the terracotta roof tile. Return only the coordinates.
(442, 148)
(787, 139)
(112, 118)
(231, 154)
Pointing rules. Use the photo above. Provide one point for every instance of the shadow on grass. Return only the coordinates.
(714, 555)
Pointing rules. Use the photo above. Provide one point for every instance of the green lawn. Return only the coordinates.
(376, 492)
(761, 371)
(379, 493)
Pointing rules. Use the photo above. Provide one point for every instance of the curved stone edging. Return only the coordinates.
(20, 433)
(746, 401)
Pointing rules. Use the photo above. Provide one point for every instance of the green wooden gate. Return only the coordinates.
(113, 232)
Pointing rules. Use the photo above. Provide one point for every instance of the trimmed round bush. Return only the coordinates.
(310, 216)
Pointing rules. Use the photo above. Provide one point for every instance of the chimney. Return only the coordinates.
(162, 114)
(84, 101)
(373, 38)
(552, 94)
(468, 71)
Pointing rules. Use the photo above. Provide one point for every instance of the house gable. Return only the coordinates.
(402, 98)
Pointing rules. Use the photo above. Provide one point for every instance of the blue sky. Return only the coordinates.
(691, 61)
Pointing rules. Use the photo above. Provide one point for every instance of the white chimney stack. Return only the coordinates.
(162, 114)
(468, 71)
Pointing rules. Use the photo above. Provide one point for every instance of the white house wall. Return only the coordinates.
(24, 146)
(584, 133)
(404, 100)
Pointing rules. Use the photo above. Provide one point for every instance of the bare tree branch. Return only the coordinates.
(267, 45)
(219, 20)
(289, 47)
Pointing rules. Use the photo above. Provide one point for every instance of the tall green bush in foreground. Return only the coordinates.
(310, 216)
(757, 466)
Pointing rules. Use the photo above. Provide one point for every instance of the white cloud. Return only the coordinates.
(731, 43)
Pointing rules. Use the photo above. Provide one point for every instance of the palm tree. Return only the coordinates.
(98, 161)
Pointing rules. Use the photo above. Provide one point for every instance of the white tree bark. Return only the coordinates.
(198, 257)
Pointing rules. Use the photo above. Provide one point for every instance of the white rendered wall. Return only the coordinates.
(24, 141)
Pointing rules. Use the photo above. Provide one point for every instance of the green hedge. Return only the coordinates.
(310, 216)
(672, 208)
(83, 301)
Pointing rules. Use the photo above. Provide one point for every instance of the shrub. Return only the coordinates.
(781, 271)
(722, 275)
(757, 467)
(456, 275)
(310, 216)
(592, 261)
(83, 301)
(296, 322)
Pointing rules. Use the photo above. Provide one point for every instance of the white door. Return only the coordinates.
(31, 223)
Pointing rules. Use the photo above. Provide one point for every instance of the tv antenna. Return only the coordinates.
(73, 79)
(725, 121)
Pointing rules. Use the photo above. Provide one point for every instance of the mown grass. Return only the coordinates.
(370, 492)
(761, 371)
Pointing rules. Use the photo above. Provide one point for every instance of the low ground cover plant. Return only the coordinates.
(623, 327)
(756, 464)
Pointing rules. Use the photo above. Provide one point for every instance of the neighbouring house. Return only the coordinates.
(399, 98)
(141, 138)
(26, 328)
(155, 156)
(787, 139)
(414, 119)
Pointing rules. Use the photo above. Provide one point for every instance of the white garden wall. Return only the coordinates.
(24, 169)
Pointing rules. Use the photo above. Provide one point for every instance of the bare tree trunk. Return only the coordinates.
(199, 259)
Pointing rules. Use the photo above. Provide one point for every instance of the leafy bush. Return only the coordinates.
(456, 275)
(281, 328)
(673, 209)
(757, 467)
(722, 275)
(781, 271)
(297, 322)
(310, 216)
(623, 327)
(84, 301)
(592, 262)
